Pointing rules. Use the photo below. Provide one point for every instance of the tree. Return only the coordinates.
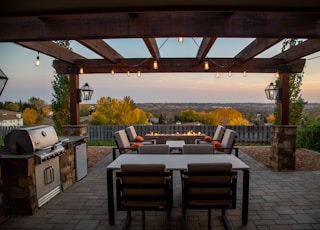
(85, 110)
(296, 102)
(29, 116)
(111, 111)
(60, 102)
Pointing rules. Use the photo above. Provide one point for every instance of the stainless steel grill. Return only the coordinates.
(43, 143)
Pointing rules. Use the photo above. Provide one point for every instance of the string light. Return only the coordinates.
(180, 39)
(112, 72)
(229, 73)
(206, 66)
(37, 60)
(155, 64)
(217, 74)
(81, 70)
(139, 73)
(244, 73)
(128, 73)
(277, 75)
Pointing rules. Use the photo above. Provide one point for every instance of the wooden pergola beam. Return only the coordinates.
(159, 24)
(152, 46)
(205, 47)
(256, 47)
(256, 65)
(52, 49)
(102, 48)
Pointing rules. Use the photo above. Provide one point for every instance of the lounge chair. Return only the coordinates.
(134, 137)
(123, 144)
(227, 143)
(218, 134)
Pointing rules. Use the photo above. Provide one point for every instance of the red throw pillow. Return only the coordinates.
(217, 145)
(139, 138)
(208, 138)
(135, 146)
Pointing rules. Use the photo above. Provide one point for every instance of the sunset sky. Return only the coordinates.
(26, 80)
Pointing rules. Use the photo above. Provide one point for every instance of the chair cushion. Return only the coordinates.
(208, 138)
(217, 145)
(135, 146)
(139, 138)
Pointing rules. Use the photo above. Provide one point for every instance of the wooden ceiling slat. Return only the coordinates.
(256, 47)
(205, 47)
(102, 48)
(52, 49)
(305, 48)
(152, 46)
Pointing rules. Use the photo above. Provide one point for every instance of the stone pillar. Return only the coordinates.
(283, 147)
(75, 130)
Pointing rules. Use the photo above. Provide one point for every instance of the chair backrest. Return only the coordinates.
(228, 140)
(218, 134)
(197, 149)
(209, 185)
(143, 186)
(122, 140)
(154, 149)
(131, 133)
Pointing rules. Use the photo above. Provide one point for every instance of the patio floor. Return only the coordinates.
(277, 200)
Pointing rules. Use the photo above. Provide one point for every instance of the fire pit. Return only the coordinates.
(188, 137)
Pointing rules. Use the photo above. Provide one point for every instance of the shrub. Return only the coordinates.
(308, 136)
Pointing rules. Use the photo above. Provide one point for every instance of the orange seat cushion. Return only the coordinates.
(139, 138)
(217, 145)
(208, 138)
(135, 146)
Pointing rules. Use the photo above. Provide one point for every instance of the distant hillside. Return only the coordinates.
(244, 108)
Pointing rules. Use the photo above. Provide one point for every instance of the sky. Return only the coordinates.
(27, 80)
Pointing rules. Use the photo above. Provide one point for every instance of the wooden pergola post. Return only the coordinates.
(284, 103)
(74, 104)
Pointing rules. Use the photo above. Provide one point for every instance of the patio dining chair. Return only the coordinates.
(218, 134)
(143, 187)
(197, 149)
(209, 186)
(154, 149)
(134, 137)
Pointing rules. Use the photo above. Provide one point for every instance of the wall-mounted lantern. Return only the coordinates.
(273, 92)
(84, 93)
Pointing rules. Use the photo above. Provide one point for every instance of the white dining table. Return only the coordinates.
(178, 162)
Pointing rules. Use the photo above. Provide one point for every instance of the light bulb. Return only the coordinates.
(155, 64)
(180, 39)
(128, 73)
(139, 73)
(244, 73)
(37, 60)
(112, 72)
(277, 75)
(217, 74)
(81, 70)
(206, 66)
(229, 73)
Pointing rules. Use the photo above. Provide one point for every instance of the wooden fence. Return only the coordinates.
(245, 133)
(105, 132)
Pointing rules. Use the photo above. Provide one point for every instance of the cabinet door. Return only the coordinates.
(81, 161)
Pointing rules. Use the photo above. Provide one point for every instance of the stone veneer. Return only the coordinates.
(283, 149)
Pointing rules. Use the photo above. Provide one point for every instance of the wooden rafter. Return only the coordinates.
(152, 46)
(52, 49)
(305, 48)
(102, 48)
(256, 47)
(205, 47)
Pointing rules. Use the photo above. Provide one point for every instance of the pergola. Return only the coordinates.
(37, 24)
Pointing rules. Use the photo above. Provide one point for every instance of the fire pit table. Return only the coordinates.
(188, 138)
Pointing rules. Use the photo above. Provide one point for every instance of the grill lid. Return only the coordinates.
(30, 139)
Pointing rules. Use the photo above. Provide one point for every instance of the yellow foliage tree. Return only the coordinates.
(29, 116)
(112, 111)
(227, 116)
(271, 118)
